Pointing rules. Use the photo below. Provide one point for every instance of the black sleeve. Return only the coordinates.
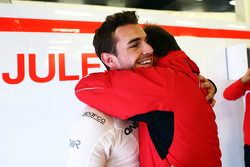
(160, 126)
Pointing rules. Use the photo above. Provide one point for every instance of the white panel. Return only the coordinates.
(236, 61)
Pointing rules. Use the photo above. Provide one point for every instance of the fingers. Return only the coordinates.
(201, 78)
(210, 97)
(212, 102)
(209, 86)
(205, 85)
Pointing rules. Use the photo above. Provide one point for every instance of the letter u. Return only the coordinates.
(32, 69)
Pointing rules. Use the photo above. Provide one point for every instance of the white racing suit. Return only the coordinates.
(99, 140)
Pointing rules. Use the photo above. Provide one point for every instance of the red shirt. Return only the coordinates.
(171, 86)
(235, 91)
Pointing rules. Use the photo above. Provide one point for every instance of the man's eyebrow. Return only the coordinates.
(133, 40)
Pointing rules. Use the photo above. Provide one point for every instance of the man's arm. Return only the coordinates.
(126, 93)
(179, 58)
(238, 88)
(246, 78)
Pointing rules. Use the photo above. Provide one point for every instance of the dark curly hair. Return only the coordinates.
(160, 40)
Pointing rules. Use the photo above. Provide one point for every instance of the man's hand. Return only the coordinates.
(210, 88)
(246, 77)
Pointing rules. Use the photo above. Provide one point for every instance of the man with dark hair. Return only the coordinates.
(98, 139)
(105, 42)
(127, 93)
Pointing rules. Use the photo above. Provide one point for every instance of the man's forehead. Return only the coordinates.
(129, 32)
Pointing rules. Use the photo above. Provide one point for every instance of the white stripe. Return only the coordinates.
(93, 88)
(244, 99)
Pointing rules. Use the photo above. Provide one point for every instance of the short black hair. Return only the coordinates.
(104, 36)
(160, 40)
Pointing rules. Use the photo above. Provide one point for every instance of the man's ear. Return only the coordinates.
(109, 59)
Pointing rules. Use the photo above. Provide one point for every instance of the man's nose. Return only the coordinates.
(147, 49)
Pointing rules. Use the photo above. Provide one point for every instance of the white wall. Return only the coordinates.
(35, 118)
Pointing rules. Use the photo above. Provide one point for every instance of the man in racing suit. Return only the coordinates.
(99, 140)
(104, 147)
